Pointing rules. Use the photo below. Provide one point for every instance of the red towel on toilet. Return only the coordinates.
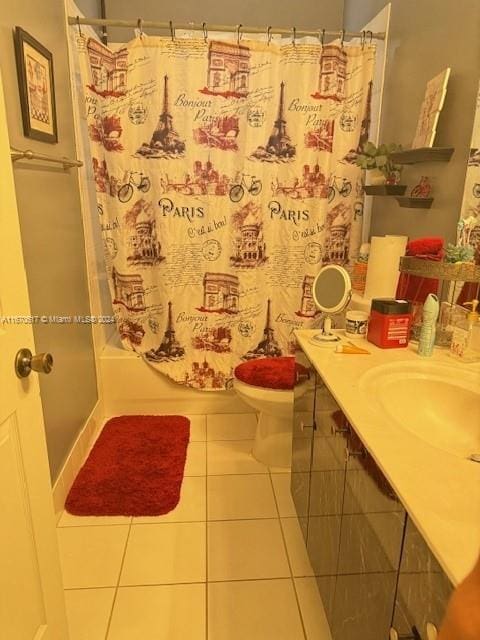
(271, 373)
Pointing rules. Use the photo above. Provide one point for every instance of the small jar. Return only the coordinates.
(356, 324)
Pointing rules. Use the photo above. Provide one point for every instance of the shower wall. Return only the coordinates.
(52, 235)
(302, 13)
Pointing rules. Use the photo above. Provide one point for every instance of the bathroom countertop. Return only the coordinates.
(441, 492)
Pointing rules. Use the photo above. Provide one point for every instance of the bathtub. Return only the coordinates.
(129, 385)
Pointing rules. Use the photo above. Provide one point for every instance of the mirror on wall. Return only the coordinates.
(469, 222)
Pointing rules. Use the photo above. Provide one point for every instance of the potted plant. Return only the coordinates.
(378, 161)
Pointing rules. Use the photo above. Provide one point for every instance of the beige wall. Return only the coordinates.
(425, 37)
(52, 235)
(282, 13)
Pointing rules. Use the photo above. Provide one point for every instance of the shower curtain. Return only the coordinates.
(225, 180)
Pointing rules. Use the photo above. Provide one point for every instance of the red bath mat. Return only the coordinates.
(134, 469)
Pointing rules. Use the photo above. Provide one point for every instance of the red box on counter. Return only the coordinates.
(389, 323)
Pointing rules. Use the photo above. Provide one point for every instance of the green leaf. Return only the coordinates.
(390, 148)
(381, 161)
(370, 149)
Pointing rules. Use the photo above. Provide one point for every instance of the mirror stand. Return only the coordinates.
(331, 293)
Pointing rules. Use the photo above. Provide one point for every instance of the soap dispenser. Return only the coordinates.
(429, 324)
(466, 336)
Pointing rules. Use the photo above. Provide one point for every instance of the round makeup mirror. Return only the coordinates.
(332, 290)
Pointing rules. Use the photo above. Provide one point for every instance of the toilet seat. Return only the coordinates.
(281, 373)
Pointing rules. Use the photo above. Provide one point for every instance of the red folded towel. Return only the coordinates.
(415, 288)
(429, 248)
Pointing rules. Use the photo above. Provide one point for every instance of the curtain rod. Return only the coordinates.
(147, 24)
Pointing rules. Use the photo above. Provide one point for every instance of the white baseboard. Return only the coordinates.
(77, 456)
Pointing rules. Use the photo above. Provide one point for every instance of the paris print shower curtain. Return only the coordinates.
(225, 180)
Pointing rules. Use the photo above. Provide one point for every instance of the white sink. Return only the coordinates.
(438, 403)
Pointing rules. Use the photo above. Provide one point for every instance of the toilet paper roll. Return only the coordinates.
(382, 272)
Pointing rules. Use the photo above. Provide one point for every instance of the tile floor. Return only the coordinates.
(228, 563)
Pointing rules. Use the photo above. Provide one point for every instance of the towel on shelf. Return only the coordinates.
(416, 288)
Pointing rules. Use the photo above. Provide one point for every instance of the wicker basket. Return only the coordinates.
(459, 271)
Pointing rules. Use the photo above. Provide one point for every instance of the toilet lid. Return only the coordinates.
(271, 373)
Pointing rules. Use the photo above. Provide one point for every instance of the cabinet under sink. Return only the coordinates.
(373, 569)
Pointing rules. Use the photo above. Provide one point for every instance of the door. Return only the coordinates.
(372, 526)
(423, 589)
(327, 488)
(302, 436)
(31, 593)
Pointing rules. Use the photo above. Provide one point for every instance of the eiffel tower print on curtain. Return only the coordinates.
(165, 141)
(170, 348)
(268, 346)
(279, 147)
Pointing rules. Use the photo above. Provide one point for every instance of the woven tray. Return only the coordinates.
(460, 271)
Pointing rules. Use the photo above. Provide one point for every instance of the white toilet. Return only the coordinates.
(273, 438)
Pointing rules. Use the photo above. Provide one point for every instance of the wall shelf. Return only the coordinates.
(423, 154)
(385, 189)
(451, 271)
(414, 203)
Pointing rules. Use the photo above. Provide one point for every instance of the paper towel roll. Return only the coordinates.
(382, 272)
(359, 303)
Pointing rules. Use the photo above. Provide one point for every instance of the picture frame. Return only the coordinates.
(36, 87)
(430, 109)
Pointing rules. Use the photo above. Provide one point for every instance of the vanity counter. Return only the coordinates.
(440, 491)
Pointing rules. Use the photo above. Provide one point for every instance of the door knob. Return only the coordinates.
(25, 362)
(338, 430)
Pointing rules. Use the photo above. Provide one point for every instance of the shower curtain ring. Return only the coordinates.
(172, 31)
(269, 35)
(371, 36)
(342, 40)
(79, 27)
(363, 38)
(321, 35)
(140, 27)
(205, 31)
(239, 26)
(294, 36)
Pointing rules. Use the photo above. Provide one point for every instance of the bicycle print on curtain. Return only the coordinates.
(225, 180)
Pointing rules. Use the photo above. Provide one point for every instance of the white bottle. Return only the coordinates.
(466, 336)
(429, 323)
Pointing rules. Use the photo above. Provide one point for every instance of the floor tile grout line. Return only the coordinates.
(230, 519)
(103, 586)
(288, 560)
(107, 632)
(200, 582)
(294, 585)
(93, 524)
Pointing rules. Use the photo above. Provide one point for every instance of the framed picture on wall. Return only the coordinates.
(37, 92)
(430, 110)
